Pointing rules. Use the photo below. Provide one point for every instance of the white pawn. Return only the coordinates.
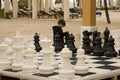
(54, 63)
(66, 71)
(18, 47)
(29, 65)
(46, 67)
(80, 67)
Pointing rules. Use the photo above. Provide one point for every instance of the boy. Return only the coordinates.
(58, 29)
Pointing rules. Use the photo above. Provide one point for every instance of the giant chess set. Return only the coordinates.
(52, 60)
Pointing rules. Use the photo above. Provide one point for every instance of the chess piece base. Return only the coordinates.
(81, 69)
(67, 74)
(17, 66)
(46, 70)
(29, 68)
(4, 64)
(107, 54)
(98, 53)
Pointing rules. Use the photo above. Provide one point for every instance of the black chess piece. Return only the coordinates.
(119, 52)
(38, 48)
(58, 44)
(86, 33)
(67, 38)
(72, 46)
(95, 34)
(106, 36)
(98, 50)
(86, 45)
(111, 52)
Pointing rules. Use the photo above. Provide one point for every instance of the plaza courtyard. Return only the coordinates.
(28, 26)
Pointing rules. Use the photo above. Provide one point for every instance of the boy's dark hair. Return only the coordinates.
(62, 21)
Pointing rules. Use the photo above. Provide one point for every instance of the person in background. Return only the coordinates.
(58, 29)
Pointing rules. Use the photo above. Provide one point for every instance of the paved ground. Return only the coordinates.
(26, 26)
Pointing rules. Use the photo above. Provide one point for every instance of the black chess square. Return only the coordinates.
(104, 62)
(11, 70)
(87, 74)
(101, 58)
(46, 75)
(8, 78)
(109, 67)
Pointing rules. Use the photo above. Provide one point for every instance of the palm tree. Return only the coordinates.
(106, 11)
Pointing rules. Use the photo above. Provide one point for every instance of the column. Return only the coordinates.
(39, 5)
(34, 9)
(115, 3)
(118, 3)
(66, 9)
(51, 3)
(42, 4)
(29, 4)
(15, 8)
(80, 4)
(6, 5)
(47, 5)
(111, 2)
(108, 5)
(89, 16)
(103, 3)
(98, 3)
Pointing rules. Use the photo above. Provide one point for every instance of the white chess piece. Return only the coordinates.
(46, 67)
(10, 51)
(29, 65)
(4, 62)
(80, 67)
(52, 58)
(18, 47)
(66, 72)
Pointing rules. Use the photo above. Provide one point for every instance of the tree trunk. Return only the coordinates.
(106, 12)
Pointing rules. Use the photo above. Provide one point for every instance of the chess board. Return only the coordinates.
(99, 68)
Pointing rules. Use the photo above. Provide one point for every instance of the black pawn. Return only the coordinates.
(95, 34)
(86, 45)
(58, 44)
(110, 49)
(86, 33)
(36, 42)
(106, 36)
(71, 45)
(98, 50)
